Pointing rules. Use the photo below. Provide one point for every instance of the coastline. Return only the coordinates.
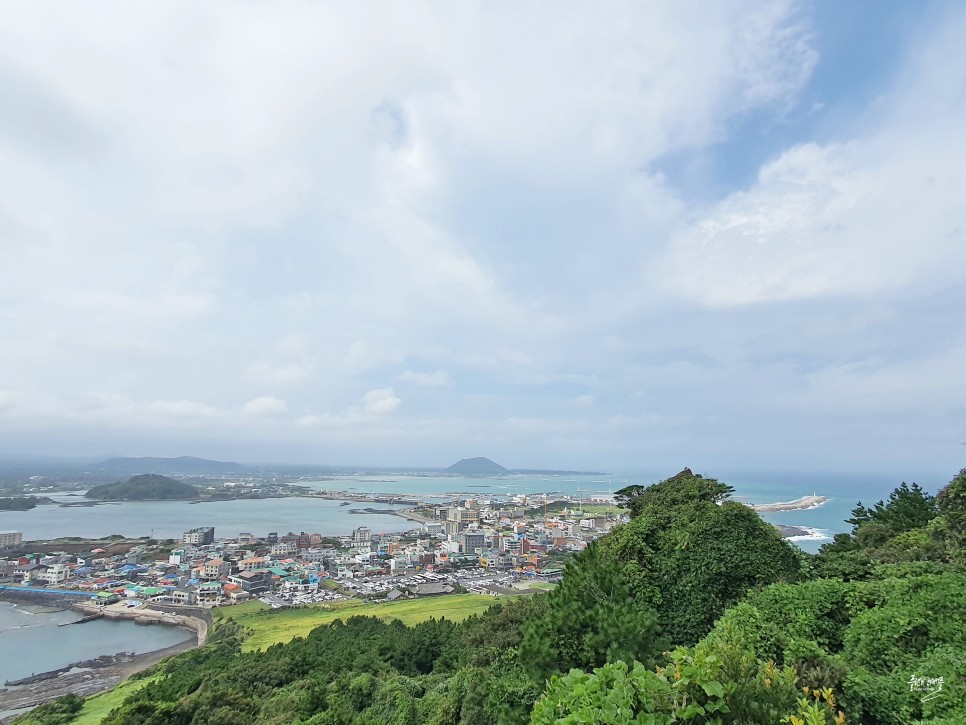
(810, 533)
(83, 679)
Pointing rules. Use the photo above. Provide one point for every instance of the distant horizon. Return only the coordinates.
(932, 477)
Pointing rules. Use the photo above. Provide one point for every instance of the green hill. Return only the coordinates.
(145, 487)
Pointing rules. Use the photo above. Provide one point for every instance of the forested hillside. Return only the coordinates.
(694, 612)
(144, 487)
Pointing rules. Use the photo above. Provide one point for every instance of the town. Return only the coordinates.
(480, 546)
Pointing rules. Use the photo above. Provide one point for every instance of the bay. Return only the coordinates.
(32, 641)
(169, 519)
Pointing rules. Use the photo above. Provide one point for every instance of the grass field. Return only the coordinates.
(282, 625)
(97, 707)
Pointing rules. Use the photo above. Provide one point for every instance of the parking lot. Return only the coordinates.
(374, 586)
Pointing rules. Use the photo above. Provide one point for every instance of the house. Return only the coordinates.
(253, 581)
(216, 569)
(209, 592)
(252, 563)
(235, 593)
(105, 598)
(429, 589)
(25, 571)
(185, 595)
(299, 584)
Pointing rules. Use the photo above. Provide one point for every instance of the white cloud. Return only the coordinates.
(264, 372)
(546, 425)
(266, 405)
(380, 401)
(182, 409)
(880, 212)
(436, 379)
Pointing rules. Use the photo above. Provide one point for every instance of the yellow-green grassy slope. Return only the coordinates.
(267, 627)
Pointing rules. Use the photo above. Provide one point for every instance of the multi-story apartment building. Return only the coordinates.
(199, 537)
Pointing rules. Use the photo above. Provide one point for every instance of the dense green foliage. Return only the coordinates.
(21, 503)
(911, 526)
(57, 712)
(145, 487)
(859, 633)
(362, 670)
(594, 616)
(688, 553)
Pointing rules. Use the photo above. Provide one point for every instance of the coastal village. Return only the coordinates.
(480, 546)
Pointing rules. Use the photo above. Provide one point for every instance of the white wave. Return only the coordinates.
(812, 535)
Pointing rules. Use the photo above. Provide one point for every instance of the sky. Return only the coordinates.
(628, 236)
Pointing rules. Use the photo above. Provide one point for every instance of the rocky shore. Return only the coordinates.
(101, 673)
(83, 678)
(92, 664)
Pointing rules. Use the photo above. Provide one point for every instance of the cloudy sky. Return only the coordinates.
(642, 235)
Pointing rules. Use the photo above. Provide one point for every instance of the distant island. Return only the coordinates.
(476, 467)
(22, 503)
(485, 467)
(144, 487)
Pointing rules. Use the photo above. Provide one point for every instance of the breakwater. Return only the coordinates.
(48, 598)
(805, 502)
(191, 618)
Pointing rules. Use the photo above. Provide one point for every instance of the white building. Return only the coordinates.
(56, 574)
(200, 536)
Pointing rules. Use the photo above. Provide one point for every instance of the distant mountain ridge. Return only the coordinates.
(476, 467)
(182, 464)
